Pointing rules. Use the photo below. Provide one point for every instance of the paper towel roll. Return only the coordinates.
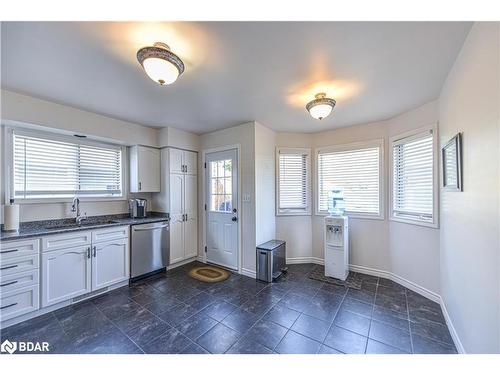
(11, 217)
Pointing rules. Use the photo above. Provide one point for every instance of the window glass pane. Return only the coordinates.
(292, 181)
(357, 173)
(413, 178)
(47, 168)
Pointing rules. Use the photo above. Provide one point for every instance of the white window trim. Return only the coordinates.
(290, 150)
(415, 133)
(348, 147)
(9, 163)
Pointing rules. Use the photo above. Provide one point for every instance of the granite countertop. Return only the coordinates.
(46, 227)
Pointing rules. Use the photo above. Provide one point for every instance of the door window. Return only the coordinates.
(221, 185)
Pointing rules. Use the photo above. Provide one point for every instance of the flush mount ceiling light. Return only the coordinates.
(160, 64)
(320, 107)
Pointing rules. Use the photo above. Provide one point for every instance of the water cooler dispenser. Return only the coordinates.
(336, 247)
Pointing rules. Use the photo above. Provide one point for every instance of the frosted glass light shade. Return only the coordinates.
(320, 107)
(160, 64)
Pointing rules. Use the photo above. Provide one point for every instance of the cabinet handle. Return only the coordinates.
(6, 284)
(140, 185)
(12, 304)
(95, 251)
(186, 217)
(8, 251)
(88, 252)
(8, 267)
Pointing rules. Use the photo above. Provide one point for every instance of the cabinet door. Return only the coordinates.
(191, 162)
(176, 160)
(191, 210)
(66, 273)
(110, 263)
(148, 169)
(176, 217)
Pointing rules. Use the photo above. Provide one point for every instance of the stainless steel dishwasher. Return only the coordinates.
(150, 248)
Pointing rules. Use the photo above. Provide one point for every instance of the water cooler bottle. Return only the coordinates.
(336, 247)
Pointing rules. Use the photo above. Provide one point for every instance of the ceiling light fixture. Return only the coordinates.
(160, 64)
(320, 107)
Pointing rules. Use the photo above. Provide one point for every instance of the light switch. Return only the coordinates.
(246, 198)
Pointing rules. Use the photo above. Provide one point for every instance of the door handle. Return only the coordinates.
(140, 185)
(234, 218)
(149, 228)
(88, 252)
(95, 251)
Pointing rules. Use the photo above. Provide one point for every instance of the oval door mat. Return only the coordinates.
(209, 274)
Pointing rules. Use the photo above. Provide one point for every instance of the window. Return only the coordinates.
(221, 179)
(55, 167)
(357, 170)
(413, 177)
(293, 181)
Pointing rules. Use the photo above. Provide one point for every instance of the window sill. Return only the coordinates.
(68, 200)
(414, 222)
(356, 216)
(293, 214)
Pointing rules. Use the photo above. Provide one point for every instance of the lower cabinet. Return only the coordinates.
(110, 263)
(71, 272)
(66, 273)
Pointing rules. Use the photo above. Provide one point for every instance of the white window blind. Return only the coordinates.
(293, 181)
(47, 168)
(357, 173)
(413, 177)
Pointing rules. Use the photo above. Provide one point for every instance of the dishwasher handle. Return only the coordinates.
(149, 228)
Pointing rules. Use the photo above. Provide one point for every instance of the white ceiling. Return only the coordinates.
(235, 71)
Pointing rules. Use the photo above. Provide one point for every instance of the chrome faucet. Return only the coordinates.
(75, 207)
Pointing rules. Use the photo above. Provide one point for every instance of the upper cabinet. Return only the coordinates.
(144, 169)
(181, 161)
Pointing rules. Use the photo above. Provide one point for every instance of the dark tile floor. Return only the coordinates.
(173, 313)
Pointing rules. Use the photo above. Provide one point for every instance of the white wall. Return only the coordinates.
(409, 251)
(470, 220)
(244, 135)
(172, 137)
(265, 219)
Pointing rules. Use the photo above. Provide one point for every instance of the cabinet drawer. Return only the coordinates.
(18, 264)
(19, 302)
(62, 241)
(16, 249)
(19, 280)
(110, 234)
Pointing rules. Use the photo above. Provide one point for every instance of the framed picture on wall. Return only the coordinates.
(451, 155)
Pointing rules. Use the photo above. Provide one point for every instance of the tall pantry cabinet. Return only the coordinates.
(179, 196)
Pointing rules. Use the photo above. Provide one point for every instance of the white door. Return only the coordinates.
(110, 263)
(66, 274)
(176, 217)
(191, 218)
(191, 162)
(222, 208)
(176, 160)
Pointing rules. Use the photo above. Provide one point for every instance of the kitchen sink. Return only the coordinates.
(84, 223)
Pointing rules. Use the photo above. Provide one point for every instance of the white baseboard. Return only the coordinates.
(400, 280)
(300, 260)
(451, 328)
(181, 263)
(249, 273)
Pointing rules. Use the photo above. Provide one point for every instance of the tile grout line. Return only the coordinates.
(371, 316)
(409, 323)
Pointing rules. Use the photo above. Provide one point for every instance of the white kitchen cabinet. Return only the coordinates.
(66, 273)
(71, 271)
(182, 161)
(144, 169)
(110, 263)
(179, 196)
